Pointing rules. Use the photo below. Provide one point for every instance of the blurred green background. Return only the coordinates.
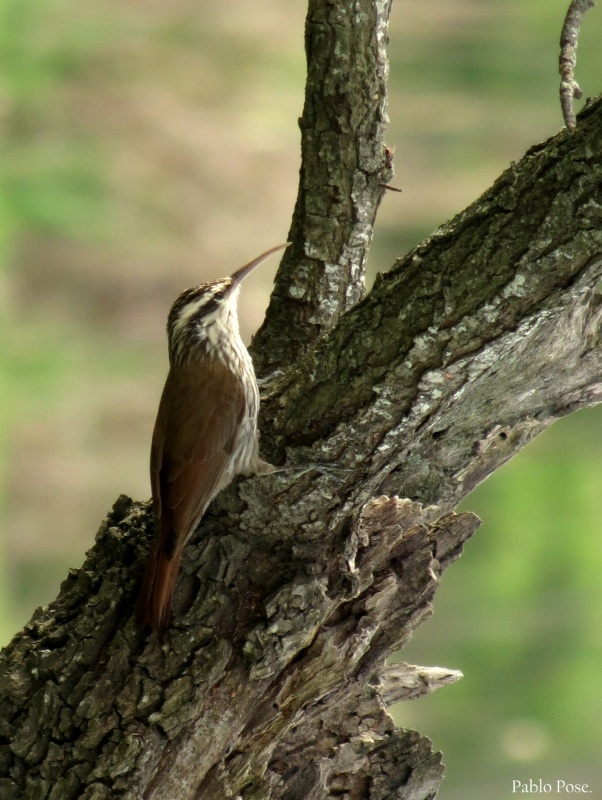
(149, 146)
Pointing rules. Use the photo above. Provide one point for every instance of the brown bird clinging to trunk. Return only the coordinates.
(206, 428)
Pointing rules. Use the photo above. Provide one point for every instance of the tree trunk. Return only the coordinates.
(271, 681)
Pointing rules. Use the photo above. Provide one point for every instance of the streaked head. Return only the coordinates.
(201, 315)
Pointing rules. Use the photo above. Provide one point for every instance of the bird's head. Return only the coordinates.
(203, 316)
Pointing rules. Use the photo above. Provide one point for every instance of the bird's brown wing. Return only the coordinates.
(199, 416)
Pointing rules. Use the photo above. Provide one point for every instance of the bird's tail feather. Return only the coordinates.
(160, 573)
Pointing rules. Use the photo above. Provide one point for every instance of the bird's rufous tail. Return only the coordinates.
(154, 601)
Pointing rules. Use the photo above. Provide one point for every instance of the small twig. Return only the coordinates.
(389, 187)
(569, 88)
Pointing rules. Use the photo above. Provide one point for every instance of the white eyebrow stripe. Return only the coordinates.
(188, 311)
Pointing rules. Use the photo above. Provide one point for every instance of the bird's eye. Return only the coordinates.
(218, 296)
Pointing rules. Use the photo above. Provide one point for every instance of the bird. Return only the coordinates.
(206, 428)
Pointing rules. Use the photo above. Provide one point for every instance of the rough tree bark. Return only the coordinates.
(272, 681)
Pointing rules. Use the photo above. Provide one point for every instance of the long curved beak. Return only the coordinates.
(240, 274)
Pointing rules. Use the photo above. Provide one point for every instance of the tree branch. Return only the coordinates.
(569, 88)
(444, 371)
(237, 698)
(344, 164)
